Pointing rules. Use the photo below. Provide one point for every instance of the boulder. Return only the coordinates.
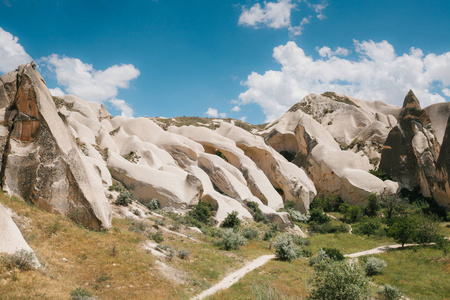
(11, 238)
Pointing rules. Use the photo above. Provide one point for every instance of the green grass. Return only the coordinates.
(285, 280)
(420, 272)
(346, 243)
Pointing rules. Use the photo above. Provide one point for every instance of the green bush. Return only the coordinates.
(124, 198)
(288, 205)
(368, 226)
(202, 212)
(318, 216)
(374, 266)
(154, 204)
(231, 221)
(21, 259)
(231, 240)
(258, 215)
(333, 253)
(273, 230)
(373, 206)
(380, 174)
(340, 280)
(157, 237)
(284, 248)
(328, 228)
(80, 294)
(250, 233)
(352, 213)
(388, 292)
(329, 204)
(183, 254)
(319, 259)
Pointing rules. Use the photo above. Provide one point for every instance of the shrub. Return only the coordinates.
(231, 221)
(391, 205)
(273, 229)
(80, 294)
(288, 205)
(202, 212)
(427, 229)
(154, 204)
(320, 258)
(183, 254)
(258, 215)
(328, 228)
(374, 266)
(298, 240)
(352, 213)
(373, 206)
(318, 216)
(124, 198)
(380, 174)
(388, 292)
(298, 216)
(284, 248)
(328, 204)
(231, 240)
(250, 233)
(138, 227)
(22, 259)
(369, 226)
(157, 237)
(340, 280)
(333, 253)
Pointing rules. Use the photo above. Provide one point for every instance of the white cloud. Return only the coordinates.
(318, 8)
(56, 92)
(446, 92)
(12, 53)
(327, 52)
(377, 73)
(123, 106)
(82, 80)
(298, 30)
(236, 109)
(273, 14)
(213, 113)
(244, 118)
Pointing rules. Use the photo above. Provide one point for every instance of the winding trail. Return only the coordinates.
(235, 276)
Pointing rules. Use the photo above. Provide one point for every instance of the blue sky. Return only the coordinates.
(243, 59)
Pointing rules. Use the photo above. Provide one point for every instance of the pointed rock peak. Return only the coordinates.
(411, 101)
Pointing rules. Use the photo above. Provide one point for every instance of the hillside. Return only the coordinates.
(95, 195)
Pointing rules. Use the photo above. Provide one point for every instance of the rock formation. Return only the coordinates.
(40, 159)
(411, 150)
(10, 236)
(442, 183)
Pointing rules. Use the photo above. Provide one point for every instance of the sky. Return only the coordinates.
(244, 59)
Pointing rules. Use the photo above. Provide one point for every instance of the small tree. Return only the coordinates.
(403, 230)
(318, 216)
(202, 211)
(391, 205)
(428, 229)
(232, 220)
(340, 280)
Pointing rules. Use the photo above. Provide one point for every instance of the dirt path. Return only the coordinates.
(235, 276)
(378, 250)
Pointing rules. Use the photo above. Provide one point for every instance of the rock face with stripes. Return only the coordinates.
(40, 159)
(411, 150)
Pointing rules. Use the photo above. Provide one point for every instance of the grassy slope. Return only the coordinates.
(112, 265)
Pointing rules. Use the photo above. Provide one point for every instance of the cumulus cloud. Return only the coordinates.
(12, 53)
(82, 80)
(123, 106)
(377, 73)
(56, 92)
(277, 14)
(327, 52)
(236, 109)
(213, 113)
(273, 14)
